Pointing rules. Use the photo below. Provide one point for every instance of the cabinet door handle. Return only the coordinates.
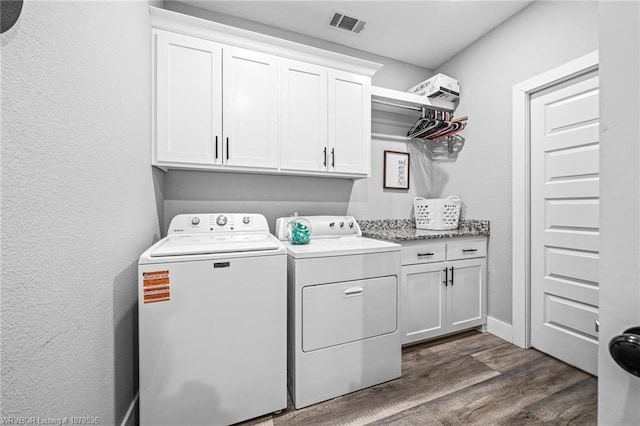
(325, 156)
(216, 147)
(446, 276)
(451, 276)
(469, 250)
(333, 157)
(424, 254)
(227, 148)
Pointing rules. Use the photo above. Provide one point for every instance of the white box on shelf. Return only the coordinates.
(439, 86)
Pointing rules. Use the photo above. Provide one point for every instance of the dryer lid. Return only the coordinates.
(183, 245)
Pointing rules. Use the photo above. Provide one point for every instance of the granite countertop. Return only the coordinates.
(405, 230)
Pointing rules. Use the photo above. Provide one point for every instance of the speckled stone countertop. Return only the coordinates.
(405, 230)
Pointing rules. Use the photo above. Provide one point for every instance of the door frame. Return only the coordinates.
(521, 188)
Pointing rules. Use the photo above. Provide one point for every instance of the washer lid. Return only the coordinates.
(183, 245)
(341, 246)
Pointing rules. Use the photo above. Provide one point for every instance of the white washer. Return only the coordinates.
(212, 322)
(342, 310)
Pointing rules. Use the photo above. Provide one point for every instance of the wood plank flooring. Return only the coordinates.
(472, 379)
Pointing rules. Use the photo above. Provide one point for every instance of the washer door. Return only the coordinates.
(335, 314)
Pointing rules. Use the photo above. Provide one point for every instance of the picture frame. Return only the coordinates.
(396, 170)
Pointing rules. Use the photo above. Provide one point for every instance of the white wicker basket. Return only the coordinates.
(437, 214)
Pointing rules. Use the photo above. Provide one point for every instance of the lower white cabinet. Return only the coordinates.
(442, 296)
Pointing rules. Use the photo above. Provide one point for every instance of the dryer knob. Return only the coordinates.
(221, 220)
(195, 220)
(246, 220)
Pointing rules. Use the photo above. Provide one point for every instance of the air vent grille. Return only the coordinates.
(348, 23)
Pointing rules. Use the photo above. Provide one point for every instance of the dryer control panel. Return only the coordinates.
(321, 226)
(212, 223)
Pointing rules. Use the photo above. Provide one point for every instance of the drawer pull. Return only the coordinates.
(469, 250)
(353, 291)
(424, 254)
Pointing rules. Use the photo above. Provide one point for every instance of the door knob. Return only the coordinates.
(625, 350)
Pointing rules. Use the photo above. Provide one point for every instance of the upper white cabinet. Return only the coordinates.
(349, 123)
(304, 116)
(227, 99)
(250, 105)
(188, 99)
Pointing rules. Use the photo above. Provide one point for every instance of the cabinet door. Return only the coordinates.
(188, 99)
(250, 108)
(303, 106)
(349, 123)
(423, 302)
(466, 294)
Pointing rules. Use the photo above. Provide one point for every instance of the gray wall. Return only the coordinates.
(619, 391)
(78, 206)
(541, 37)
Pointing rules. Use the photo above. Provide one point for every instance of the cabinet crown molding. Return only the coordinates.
(197, 27)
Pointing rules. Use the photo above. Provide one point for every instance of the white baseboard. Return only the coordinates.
(500, 329)
(130, 417)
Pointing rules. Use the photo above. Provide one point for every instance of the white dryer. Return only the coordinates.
(342, 310)
(212, 322)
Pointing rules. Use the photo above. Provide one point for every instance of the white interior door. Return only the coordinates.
(565, 221)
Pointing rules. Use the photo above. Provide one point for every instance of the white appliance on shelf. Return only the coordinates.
(212, 322)
(342, 310)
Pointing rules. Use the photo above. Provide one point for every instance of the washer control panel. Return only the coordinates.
(212, 223)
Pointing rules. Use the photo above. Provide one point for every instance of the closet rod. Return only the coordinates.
(396, 105)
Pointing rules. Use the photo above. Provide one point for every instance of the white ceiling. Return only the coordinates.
(424, 33)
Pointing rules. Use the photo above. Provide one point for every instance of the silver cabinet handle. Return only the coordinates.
(353, 291)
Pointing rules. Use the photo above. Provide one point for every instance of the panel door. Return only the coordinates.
(250, 108)
(188, 99)
(565, 222)
(339, 313)
(466, 294)
(349, 123)
(422, 309)
(303, 106)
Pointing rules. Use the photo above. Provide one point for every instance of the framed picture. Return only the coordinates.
(396, 170)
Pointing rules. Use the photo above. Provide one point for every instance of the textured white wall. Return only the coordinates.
(541, 37)
(78, 206)
(619, 391)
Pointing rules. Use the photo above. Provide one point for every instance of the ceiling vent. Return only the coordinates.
(347, 23)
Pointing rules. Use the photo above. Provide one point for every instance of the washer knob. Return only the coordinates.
(195, 220)
(246, 220)
(350, 225)
(341, 224)
(221, 220)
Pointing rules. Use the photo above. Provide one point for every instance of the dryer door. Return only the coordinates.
(339, 313)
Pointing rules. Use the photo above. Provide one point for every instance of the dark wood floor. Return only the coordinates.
(474, 378)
